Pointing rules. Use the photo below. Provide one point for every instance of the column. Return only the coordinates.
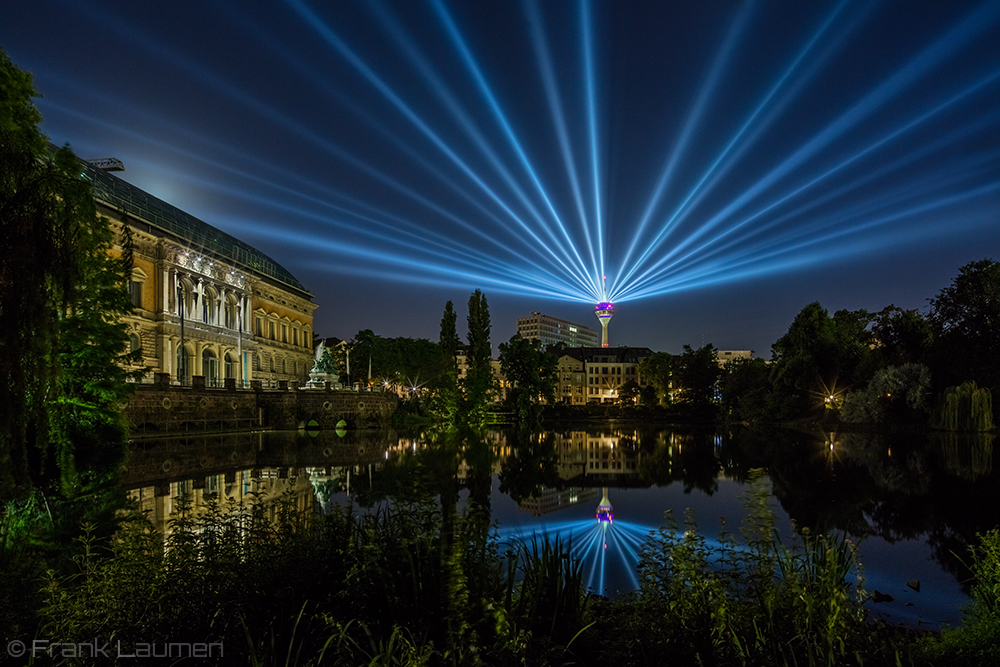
(168, 290)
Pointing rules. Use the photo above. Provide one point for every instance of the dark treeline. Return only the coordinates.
(875, 370)
(891, 367)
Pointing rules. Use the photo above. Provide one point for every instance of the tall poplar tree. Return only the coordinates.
(444, 402)
(480, 351)
(449, 340)
(478, 383)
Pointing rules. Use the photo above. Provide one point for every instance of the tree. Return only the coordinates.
(478, 382)
(656, 370)
(964, 408)
(900, 336)
(966, 318)
(532, 377)
(444, 400)
(696, 373)
(449, 340)
(819, 355)
(894, 394)
(629, 392)
(480, 350)
(62, 296)
(745, 389)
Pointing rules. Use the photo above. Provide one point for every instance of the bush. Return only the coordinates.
(977, 640)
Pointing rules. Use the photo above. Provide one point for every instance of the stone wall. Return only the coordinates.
(163, 410)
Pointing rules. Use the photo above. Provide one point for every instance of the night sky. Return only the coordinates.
(722, 163)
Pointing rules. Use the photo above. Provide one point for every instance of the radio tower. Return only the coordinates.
(604, 509)
(605, 311)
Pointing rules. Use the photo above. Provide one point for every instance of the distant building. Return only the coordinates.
(725, 356)
(549, 330)
(572, 387)
(605, 370)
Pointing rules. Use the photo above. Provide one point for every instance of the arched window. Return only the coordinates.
(133, 342)
(283, 366)
(230, 367)
(256, 362)
(271, 364)
(210, 366)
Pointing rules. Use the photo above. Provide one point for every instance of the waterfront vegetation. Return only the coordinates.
(418, 583)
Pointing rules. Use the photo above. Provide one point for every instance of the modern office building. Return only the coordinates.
(549, 330)
(207, 305)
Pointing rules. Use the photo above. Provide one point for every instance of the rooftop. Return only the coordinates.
(123, 196)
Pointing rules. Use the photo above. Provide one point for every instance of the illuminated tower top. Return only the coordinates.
(605, 311)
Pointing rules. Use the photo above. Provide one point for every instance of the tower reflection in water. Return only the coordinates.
(608, 550)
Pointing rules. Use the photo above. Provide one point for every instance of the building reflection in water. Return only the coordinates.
(256, 485)
(250, 468)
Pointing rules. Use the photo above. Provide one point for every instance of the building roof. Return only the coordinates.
(122, 196)
(620, 354)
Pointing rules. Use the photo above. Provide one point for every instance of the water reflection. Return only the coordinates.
(917, 502)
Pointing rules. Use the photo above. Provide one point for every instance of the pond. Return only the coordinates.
(913, 504)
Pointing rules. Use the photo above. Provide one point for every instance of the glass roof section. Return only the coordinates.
(123, 196)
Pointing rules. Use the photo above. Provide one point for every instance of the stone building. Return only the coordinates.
(206, 304)
(605, 370)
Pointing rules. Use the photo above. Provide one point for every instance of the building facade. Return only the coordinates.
(725, 356)
(551, 330)
(604, 371)
(206, 304)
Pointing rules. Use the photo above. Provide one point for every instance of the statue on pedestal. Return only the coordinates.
(324, 370)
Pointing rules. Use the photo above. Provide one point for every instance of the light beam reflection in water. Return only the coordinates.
(914, 504)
